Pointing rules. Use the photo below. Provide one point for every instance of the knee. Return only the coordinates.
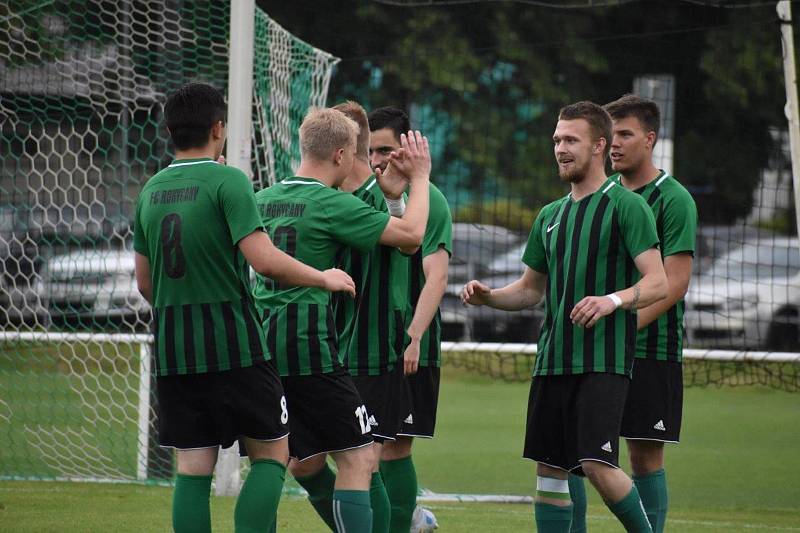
(360, 462)
(594, 471)
(399, 449)
(308, 467)
(645, 458)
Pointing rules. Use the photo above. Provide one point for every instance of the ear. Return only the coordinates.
(337, 156)
(600, 145)
(651, 140)
(218, 130)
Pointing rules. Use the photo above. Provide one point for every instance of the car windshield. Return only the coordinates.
(510, 261)
(758, 261)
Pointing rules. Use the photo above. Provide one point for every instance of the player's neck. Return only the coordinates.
(360, 174)
(595, 177)
(321, 172)
(639, 177)
(196, 153)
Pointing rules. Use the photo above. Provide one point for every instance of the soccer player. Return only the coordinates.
(582, 256)
(655, 398)
(196, 229)
(312, 221)
(422, 357)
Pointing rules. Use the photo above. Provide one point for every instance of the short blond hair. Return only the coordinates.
(325, 130)
(354, 111)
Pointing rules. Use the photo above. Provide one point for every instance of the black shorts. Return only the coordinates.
(424, 401)
(575, 418)
(654, 408)
(216, 408)
(327, 414)
(386, 397)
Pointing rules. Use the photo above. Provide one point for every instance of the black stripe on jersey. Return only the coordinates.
(630, 317)
(331, 337)
(654, 196)
(230, 334)
(271, 325)
(611, 286)
(569, 290)
(292, 353)
(252, 329)
(399, 330)
(154, 329)
(415, 287)
(314, 351)
(169, 337)
(560, 246)
(209, 337)
(362, 316)
(590, 285)
(383, 308)
(672, 332)
(433, 337)
(188, 338)
(548, 318)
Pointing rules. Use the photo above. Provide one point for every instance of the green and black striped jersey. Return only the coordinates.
(314, 224)
(190, 218)
(676, 223)
(438, 235)
(587, 248)
(372, 328)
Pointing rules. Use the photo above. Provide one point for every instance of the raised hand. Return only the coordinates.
(339, 281)
(413, 159)
(392, 182)
(475, 293)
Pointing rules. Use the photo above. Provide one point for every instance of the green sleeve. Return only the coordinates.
(679, 224)
(355, 223)
(139, 238)
(637, 224)
(239, 205)
(439, 230)
(534, 255)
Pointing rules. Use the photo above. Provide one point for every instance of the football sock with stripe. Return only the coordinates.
(351, 511)
(577, 493)
(319, 487)
(381, 508)
(400, 478)
(257, 504)
(652, 488)
(630, 512)
(552, 518)
(191, 509)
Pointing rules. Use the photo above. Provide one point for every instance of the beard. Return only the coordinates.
(575, 173)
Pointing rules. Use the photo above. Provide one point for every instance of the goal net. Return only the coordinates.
(82, 87)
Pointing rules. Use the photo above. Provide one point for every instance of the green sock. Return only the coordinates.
(630, 512)
(400, 479)
(351, 511)
(320, 493)
(577, 493)
(257, 504)
(381, 508)
(652, 488)
(552, 518)
(191, 510)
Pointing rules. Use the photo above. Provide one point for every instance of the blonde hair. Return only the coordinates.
(325, 130)
(355, 112)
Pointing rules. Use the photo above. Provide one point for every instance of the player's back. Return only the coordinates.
(314, 224)
(189, 220)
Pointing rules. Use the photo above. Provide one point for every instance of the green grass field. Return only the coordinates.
(736, 470)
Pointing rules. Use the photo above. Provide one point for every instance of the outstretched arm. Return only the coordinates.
(435, 267)
(526, 292)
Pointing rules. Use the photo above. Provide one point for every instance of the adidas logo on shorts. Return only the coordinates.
(607, 447)
(409, 419)
(660, 426)
(372, 421)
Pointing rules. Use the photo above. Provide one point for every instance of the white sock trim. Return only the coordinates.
(551, 484)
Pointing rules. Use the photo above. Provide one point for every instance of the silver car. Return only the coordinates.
(93, 288)
(748, 299)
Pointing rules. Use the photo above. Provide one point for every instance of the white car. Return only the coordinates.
(748, 299)
(93, 287)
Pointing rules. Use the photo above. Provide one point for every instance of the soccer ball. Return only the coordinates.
(423, 521)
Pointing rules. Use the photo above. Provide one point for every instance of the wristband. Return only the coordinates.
(614, 298)
(396, 207)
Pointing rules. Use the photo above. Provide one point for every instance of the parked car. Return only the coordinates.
(475, 247)
(748, 299)
(93, 288)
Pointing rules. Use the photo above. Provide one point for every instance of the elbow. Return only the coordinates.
(416, 237)
(661, 288)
